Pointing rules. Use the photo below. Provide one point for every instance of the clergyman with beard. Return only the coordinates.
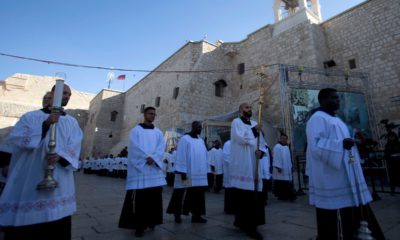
(28, 213)
(244, 153)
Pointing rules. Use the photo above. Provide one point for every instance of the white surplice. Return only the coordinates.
(265, 165)
(215, 158)
(283, 161)
(243, 158)
(191, 158)
(226, 154)
(21, 204)
(333, 182)
(171, 162)
(145, 143)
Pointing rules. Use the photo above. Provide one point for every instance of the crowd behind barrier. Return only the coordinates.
(109, 166)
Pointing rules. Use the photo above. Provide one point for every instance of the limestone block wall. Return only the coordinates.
(202, 100)
(300, 45)
(370, 34)
(160, 84)
(100, 132)
(197, 100)
(21, 93)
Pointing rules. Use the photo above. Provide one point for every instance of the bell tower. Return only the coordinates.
(286, 8)
(290, 13)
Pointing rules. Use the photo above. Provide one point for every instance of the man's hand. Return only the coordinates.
(348, 143)
(149, 160)
(52, 159)
(53, 118)
(259, 154)
(279, 169)
(4, 171)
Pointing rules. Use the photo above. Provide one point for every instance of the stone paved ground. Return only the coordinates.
(100, 200)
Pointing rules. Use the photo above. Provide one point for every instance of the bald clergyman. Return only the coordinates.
(244, 133)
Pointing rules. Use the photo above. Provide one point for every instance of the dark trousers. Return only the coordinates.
(229, 201)
(142, 208)
(329, 228)
(59, 229)
(284, 190)
(249, 212)
(175, 203)
(192, 202)
(170, 179)
(267, 185)
(195, 201)
(219, 178)
(210, 179)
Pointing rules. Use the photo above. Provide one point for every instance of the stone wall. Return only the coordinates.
(101, 133)
(370, 34)
(160, 84)
(21, 93)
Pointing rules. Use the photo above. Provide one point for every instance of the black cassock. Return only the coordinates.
(142, 209)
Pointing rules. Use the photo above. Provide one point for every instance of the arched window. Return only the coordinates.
(113, 116)
(219, 87)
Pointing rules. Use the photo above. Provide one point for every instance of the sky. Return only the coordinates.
(129, 34)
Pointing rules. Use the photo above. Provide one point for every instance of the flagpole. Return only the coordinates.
(123, 86)
(110, 76)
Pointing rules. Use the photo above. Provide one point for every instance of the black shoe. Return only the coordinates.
(139, 233)
(178, 219)
(152, 226)
(254, 235)
(198, 219)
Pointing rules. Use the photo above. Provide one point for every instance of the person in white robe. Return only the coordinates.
(229, 198)
(28, 213)
(210, 171)
(215, 158)
(142, 207)
(337, 186)
(243, 177)
(191, 175)
(266, 174)
(170, 167)
(282, 170)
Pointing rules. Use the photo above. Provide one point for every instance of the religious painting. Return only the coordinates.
(216, 131)
(172, 136)
(353, 111)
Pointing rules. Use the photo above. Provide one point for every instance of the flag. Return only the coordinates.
(121, 77)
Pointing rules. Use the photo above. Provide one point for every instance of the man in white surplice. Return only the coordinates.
(191, 174)
(229, 197)
(216, 158)
(336, 182)
(244, 133)
(143, 201)
(28, 213)
(282, 170)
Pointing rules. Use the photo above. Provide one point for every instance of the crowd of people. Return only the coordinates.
(243, 167)
(106, 166)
